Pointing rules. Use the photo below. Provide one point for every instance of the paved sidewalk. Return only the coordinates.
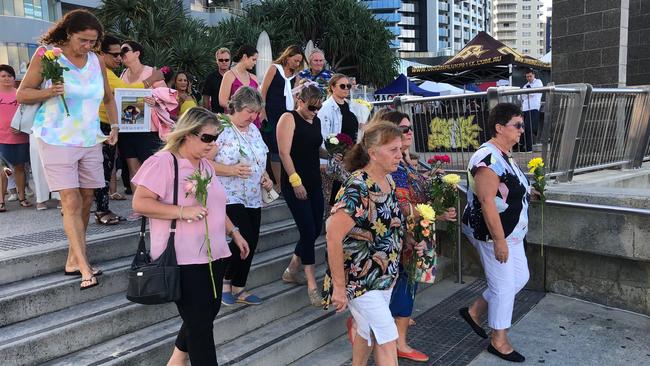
(563, 331)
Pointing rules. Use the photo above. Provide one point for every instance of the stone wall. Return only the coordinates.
(590, 42)
(638, 55)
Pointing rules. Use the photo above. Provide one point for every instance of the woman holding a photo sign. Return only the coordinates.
(240, 164)
(66, 125)
(136, 147)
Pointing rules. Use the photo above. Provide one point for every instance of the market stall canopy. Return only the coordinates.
(442, 88)
(402, 85)
(482, 59)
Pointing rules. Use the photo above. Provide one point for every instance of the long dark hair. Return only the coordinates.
(73, 22)
(377, 134)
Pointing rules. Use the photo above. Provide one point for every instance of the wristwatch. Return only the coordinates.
(234, 228)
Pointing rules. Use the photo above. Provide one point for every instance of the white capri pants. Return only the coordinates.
(504, 280)
(371, 312)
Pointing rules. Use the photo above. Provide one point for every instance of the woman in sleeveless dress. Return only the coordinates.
(276, 92)
(70, 142)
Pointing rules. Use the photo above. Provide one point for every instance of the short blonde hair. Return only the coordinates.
(221, 50)
(190, 123)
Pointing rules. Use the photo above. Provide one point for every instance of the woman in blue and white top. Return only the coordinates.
(241, 167)
(496, 222)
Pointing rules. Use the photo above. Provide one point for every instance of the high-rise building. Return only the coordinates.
(523, 25)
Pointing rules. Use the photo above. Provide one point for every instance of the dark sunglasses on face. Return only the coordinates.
(115, 54)
(313, 108)
(518, 125)
(125, 50)
(406, 129)
(207, 138)
(345, 86)
(223, 60)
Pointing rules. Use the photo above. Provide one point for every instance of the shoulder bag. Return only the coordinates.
(156, 282)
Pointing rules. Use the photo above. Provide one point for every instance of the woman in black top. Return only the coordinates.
(276, 93)
(299, 141)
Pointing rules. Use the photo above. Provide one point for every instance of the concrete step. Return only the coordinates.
(119, 242)
(49, 293)
(152, 346)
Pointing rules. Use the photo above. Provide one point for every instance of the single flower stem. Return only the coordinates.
(207, 240)
(543, 228)
(65, 105)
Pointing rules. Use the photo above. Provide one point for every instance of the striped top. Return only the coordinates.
(84, 92)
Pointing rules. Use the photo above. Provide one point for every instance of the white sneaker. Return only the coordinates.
(12, 197)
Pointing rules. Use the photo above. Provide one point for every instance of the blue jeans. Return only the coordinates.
(308, 215)
(401, 301)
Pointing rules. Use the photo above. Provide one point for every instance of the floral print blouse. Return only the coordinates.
(512, 198)
(371, 250)
(247, 147)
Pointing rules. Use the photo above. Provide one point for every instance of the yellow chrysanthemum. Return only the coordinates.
(364, 103)
(451, 179)
(326, 283)
(50, 54)
(426, 212)
(535, 163)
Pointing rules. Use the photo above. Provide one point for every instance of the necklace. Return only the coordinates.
(505, 151)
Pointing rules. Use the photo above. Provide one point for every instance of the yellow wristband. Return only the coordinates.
(296, 183)
(293, 178)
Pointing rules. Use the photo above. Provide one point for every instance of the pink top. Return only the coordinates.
(236, 84)
(8, 107)
(157, 175)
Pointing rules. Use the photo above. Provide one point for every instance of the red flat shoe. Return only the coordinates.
(415, 355)
(348, 323)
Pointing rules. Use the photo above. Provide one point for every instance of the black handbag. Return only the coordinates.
(156, 282)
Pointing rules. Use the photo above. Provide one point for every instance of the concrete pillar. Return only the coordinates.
(590, 42)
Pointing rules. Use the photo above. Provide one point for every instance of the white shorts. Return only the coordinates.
(371, 312)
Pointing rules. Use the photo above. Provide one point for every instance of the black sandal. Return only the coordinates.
(25, 203)
(106, 218)
(92, 283)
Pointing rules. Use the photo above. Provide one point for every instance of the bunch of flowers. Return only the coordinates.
(536, 168)
(423, 227)
(437, 162)
(443, 194)
(364, 103)
(52, 70)
(338, 144)
(197, 185)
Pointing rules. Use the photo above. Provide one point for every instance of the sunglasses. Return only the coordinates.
(207, 138)
(313, 108)
(406, 129)
(125, 50)
(518, 125)
(223, 60)
(345, 86)
(114, 54)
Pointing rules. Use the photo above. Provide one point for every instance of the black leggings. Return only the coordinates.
(308, 215)
(198, 308)
(248, 221)
(101, 194)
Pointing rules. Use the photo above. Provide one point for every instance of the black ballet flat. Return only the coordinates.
(513, 356)
(464, 313)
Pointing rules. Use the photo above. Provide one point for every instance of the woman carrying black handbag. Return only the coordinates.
(191, 140)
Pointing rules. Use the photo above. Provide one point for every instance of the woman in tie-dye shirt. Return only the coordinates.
(70, 144)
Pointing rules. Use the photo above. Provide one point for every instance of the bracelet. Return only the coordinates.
(180, 213)
(146, 84)
(234, 229)
(295, 180)
(114, 125)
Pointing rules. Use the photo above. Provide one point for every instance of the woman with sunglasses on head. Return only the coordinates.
(277, 86)
(336, 117)
(495, 221)
(136, 147)
(410, 189)
(241, 168)
(190, 144)
(70, 141)
(299, 140)
(238, 76)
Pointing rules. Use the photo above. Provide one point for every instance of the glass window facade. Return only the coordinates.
(17, 55)
(28, 9)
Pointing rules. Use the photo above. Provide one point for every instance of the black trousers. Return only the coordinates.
(308, 215)
(248, 221)
(531, 120)
(101, 194)
(198, 308)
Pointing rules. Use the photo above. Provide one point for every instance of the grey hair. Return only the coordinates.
(246, 97)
